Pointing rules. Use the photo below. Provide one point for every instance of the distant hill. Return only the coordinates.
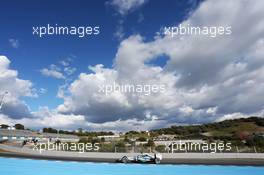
(225, 130)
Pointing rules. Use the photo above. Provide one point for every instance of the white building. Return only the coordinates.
(7, 134)
(110, 137)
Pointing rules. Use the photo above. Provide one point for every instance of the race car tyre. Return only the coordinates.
(157, 161)
(124, 159)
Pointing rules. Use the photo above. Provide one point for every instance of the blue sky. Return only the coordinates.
(33, 54)
(54, 80)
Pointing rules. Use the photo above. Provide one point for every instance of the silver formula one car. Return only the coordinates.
(142, 158)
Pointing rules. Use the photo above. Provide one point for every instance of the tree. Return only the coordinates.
(3, 126)
(80, 130)
(102, 139)
(161, 148)
(126, 139)
(49, 130)
(19, 126)
(260, 122)
(142, 139)
(250, 142)
(150, 143)
(259, 141)
(120, 144)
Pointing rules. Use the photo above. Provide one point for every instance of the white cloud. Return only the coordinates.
(46, 118)
(64, 63)
(69, 122)
(61, 71)
(206, 78)
(231, 116)
(42, 90)
(119, 33)
(126, 6)
(140, 18)
(52, 73)
(69, 70)
(14, 43)
(16, 88)
(237, 115)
